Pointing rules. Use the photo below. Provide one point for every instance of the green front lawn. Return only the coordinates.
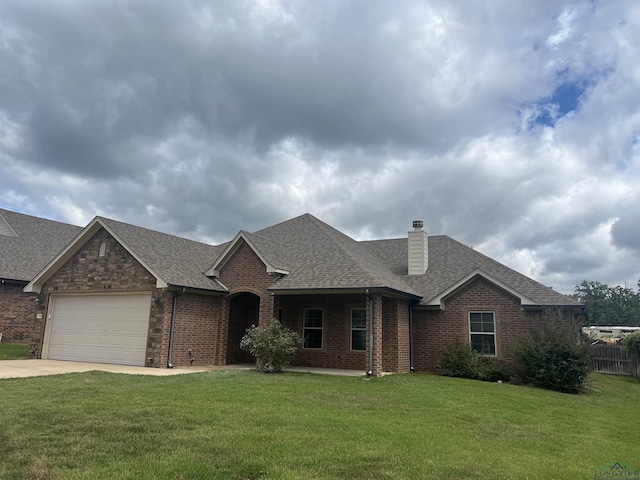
(245, 425)
(11, 351)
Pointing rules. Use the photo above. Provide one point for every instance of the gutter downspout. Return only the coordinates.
(173, 324)
(411, 367)
(370, 298)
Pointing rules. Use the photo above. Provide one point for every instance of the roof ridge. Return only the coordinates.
(275, 225)
(155, 231)
(495, 262)
(364, 267)
(323, 226)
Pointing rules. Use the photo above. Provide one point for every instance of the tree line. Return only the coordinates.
(607, 305)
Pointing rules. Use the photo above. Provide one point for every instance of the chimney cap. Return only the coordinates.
(418, 224)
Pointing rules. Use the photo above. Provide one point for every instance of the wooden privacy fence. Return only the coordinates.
(614, 360)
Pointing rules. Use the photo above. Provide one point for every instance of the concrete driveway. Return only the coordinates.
(37, 368)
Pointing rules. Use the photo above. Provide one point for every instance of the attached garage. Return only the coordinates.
(99, 328)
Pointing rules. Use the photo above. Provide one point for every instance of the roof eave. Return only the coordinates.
(342, 290)
(439, 299)
(232, 248)
(72, 248)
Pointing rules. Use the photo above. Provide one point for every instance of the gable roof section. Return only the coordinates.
(452, 264)
(318, 256)
(272, 254)
(27, 243)
(171, 260)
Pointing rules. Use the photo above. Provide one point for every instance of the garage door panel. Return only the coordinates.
(100, 328)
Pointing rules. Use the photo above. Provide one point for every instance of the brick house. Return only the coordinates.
(27, 244)
(124, 294)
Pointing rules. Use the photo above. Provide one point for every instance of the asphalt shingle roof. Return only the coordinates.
(450, 261)
(316, 255)
(319, 256)
(38, 240)
(177, 260)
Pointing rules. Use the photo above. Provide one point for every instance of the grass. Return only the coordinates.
(13, 351)
(244, 425)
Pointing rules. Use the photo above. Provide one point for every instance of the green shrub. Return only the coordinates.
(493, 370)
(631, 344)
(274, 346)
(555, 356)
(461, 360)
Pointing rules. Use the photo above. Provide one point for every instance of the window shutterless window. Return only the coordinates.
(312, 328)
(358, 329)
(482, 332)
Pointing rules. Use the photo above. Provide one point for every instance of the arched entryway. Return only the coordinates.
(244, 311)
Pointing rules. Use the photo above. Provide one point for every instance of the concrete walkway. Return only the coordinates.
(38, 368)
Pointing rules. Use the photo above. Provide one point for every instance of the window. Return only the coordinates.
(312, 328)
(102, 249)
(482, 332)
(358, 329)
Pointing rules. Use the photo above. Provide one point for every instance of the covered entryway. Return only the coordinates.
(244, 311)
(99, 328)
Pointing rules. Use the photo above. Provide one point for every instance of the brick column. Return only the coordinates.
(266, 314)
(220, 350)
(377, 336)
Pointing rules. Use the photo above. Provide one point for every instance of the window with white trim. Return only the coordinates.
(482, 332)
(102, 249)
(312, 328)
(358, 329)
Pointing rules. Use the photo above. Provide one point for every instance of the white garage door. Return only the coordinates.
(98, 328)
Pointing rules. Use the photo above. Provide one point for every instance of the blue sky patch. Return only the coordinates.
(564, 99)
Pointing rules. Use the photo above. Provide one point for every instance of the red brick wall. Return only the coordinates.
(243, 273)
(435, 330)
(116, 271)
(395, 333)
(336, 345)
(196, 329)
(17, 313)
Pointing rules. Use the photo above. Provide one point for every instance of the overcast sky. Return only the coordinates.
(511, 126)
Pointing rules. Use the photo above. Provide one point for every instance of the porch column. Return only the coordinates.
(377, 336)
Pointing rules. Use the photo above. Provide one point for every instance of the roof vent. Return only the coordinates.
(5, 228)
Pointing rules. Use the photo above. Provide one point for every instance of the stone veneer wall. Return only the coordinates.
(115, 272)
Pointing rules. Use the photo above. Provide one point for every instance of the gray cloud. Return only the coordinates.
(203, 118)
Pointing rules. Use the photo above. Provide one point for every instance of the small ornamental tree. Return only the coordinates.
(556, 356)
(631, 344)
(274, 346)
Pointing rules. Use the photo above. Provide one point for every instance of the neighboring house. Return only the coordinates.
(124, 294)
(27, 244)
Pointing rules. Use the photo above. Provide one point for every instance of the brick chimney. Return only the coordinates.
(418, 260)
